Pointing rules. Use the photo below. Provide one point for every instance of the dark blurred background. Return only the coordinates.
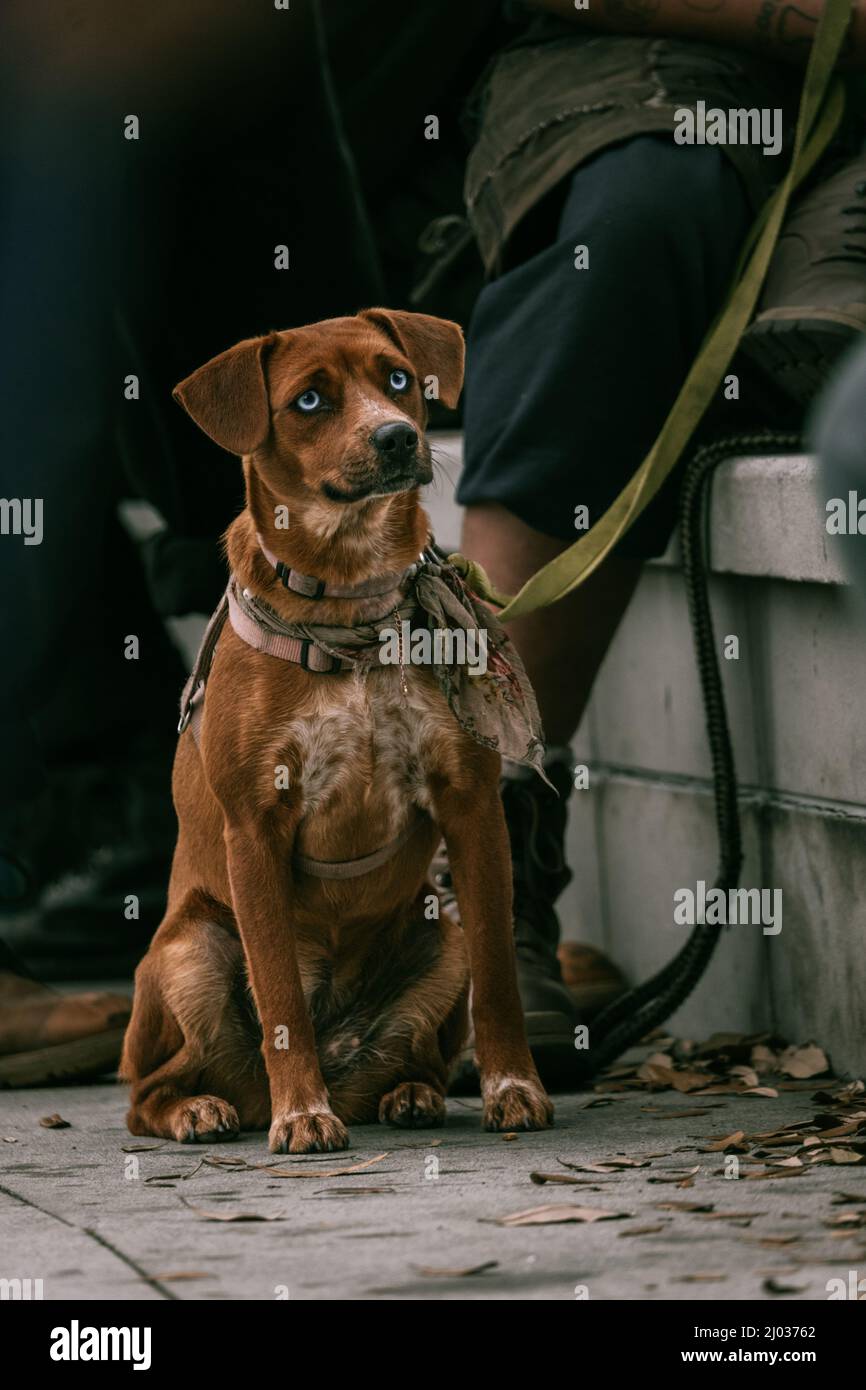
(258, 127)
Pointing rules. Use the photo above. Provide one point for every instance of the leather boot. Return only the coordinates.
(813, 303)
(48, 1038)
(536, 818)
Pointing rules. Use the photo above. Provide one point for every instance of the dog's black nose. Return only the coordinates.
(395, 443)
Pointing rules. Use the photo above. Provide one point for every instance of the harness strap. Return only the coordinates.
(309, 656)
(193, 691)
(353, 868)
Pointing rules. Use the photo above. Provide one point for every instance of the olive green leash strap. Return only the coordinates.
(821, 106)
(476, 578)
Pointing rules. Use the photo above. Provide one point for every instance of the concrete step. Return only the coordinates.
(644, 827)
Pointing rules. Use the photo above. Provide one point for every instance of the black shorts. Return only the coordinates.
(571, 372)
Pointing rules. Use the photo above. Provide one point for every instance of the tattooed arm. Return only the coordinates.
(780, 29)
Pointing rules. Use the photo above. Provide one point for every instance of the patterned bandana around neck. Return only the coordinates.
(497, 708)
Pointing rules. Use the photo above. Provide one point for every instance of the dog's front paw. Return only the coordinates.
(203, 1120)
(307, 1132)
(512, 1102)
(412, 1105)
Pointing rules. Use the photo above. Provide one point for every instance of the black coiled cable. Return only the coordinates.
(628, 1019)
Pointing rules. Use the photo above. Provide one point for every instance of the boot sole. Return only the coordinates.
(70, 1061)
(796, 349)
(591, 1000)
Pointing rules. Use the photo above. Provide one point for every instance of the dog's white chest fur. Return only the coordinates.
(368, 746)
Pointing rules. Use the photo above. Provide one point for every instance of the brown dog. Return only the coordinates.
(359, 1002)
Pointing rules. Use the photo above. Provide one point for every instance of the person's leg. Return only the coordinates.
(171, 239)
(511, 552)
(46, 1036)
(571, 373)
(55, 390)
(70, 704)
(215, 189)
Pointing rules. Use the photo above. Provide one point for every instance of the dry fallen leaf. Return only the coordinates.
(318, 1173)
(683, 1206)
(768, 1134)
(770, 1241)
(175, 1276)
(761, 1091)
(434, 1272)
(715, 1278)
(140, 1148)
(206, 1215)
(680, 1176)
(773, 1286)
(853, 1091)
(804, 1061)
(764, 1059)
(654, 1075)
(678, 1079)
(732, 1143)
(541, 1178)
(738, 1217)
(556, 1213)
(783, 1142)
(352, 1191)
(684, 1114)
(840, 1130)
(643, 1230)
(774, 1173)
(846, 1156)
(847, 1218)
(54, 1122)
(655, 1060)
(606, 1165)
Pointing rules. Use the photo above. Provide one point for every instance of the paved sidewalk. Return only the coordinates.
(93, 1220)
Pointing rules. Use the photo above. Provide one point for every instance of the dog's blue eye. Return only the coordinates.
(309, 401)
(398, 381)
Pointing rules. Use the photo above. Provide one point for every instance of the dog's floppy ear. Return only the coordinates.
(434, 346)
(228, 396)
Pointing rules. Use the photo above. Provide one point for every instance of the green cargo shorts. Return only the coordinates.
(547, 104)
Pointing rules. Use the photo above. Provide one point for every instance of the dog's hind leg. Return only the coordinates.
(404, 1055)
(414, 1105)
(190, 1053)
(417, 1101)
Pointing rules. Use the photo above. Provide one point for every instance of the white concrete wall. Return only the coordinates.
(796, 699)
